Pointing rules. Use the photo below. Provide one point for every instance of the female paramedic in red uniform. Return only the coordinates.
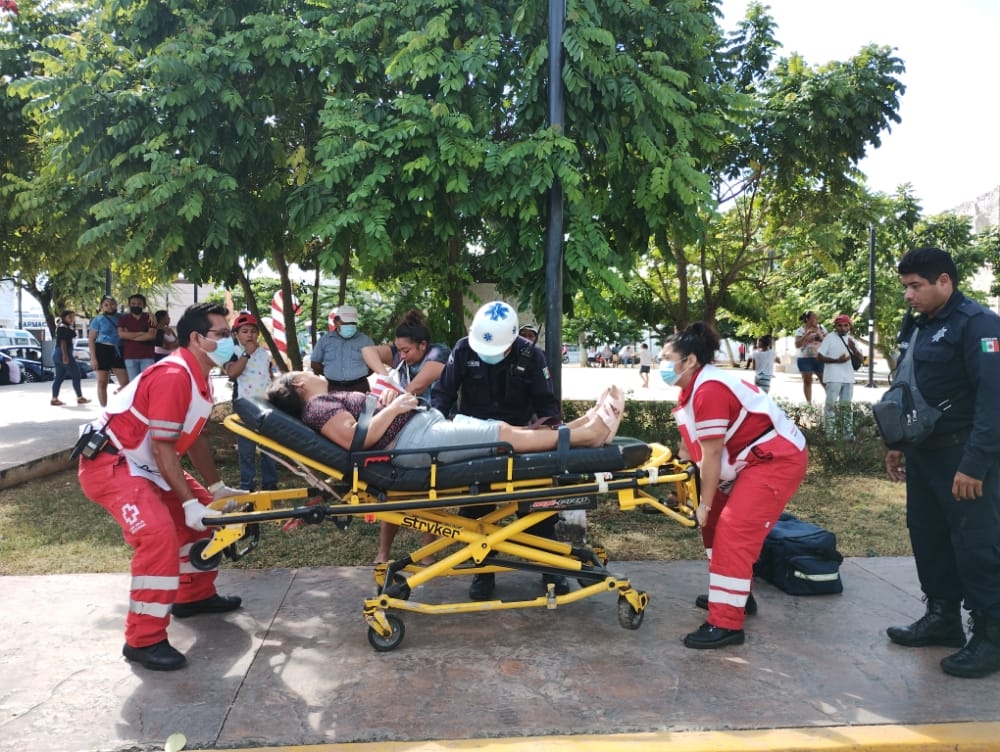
(138, 478)
(751, 459)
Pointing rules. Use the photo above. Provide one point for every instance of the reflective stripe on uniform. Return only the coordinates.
(729, 583)
(145, 608)
(151, 582)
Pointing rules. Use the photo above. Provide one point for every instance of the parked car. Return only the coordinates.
(81, 349)
(30, 360)
(10, 370)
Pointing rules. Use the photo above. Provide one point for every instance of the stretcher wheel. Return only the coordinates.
(385, 644)
(628, 617)
(194, 555)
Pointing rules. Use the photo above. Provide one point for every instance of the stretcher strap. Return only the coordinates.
(361, 430)
(562, 448)
(602, 482)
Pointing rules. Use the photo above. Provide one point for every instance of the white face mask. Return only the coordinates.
(224, 350)
(670, 375)
(492, 360)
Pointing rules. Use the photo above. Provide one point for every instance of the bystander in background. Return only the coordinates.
(808, 338)
(838, 378)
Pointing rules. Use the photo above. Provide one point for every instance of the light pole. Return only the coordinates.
(871, 306)
(20, 317)
(554, 231)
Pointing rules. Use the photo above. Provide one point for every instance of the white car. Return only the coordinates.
(81, 349)
(81, 352)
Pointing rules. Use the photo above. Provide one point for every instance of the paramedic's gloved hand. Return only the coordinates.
(195, 512)
(220, 490)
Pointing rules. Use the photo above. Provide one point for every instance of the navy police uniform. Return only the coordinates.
(515, 390)
(956, 544)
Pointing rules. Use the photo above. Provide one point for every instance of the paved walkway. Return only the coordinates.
(294, 667)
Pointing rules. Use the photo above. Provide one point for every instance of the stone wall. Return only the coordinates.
(984, 210)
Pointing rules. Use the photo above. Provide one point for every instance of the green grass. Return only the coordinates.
(48, 526)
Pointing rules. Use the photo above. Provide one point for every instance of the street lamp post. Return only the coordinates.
(871, 306)
(554, 231)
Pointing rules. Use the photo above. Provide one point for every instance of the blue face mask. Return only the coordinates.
(669, 374)
(348, 330)
(223, 352)
(491, 360)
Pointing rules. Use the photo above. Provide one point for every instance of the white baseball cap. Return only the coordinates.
(348, 314)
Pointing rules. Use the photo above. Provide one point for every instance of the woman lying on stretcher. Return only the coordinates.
(403, 425)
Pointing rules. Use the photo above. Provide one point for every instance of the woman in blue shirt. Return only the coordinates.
(105, 348)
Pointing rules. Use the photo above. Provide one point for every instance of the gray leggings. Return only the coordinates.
(430, 430)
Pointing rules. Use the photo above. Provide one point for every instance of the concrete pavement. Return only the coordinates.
(294, 668)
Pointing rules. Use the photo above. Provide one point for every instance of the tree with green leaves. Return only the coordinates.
(188, 124)
(38, 232)
(783, 179)
(437, 156)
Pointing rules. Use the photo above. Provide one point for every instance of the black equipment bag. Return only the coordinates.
(856, 360)
(800, 558)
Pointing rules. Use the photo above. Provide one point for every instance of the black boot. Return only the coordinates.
(160, 656)
(482, 586)
(941, 625)
(709, 637)
(217, 604)
(981, 657)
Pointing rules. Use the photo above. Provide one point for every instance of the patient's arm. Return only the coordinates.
(341, 427)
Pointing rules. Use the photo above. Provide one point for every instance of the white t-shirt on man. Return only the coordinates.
(833, 347)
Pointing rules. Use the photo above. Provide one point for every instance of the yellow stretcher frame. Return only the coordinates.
(496, 542)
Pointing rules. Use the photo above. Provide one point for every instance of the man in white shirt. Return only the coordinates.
(838, 376)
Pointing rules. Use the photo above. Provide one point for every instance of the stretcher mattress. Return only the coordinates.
(376, 469)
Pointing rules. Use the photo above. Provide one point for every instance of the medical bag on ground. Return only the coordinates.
(800, 558)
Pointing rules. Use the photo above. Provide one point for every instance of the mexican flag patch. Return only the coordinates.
(990, 344)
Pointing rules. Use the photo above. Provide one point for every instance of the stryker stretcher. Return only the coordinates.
(346, 484)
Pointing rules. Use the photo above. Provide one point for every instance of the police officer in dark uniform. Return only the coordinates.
(501, 376)
(953, 477)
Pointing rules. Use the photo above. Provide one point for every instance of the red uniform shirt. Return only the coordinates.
(163, 396)
(716, 408)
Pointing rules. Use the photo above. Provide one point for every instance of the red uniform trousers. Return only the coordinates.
(740, 520)
(152, 521)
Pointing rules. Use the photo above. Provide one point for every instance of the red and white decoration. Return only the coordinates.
(278, 319)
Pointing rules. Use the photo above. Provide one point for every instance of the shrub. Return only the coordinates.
(654, 422)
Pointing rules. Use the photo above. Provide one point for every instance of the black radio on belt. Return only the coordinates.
(90, 443)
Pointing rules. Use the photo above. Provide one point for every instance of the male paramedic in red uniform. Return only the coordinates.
(139, 480)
